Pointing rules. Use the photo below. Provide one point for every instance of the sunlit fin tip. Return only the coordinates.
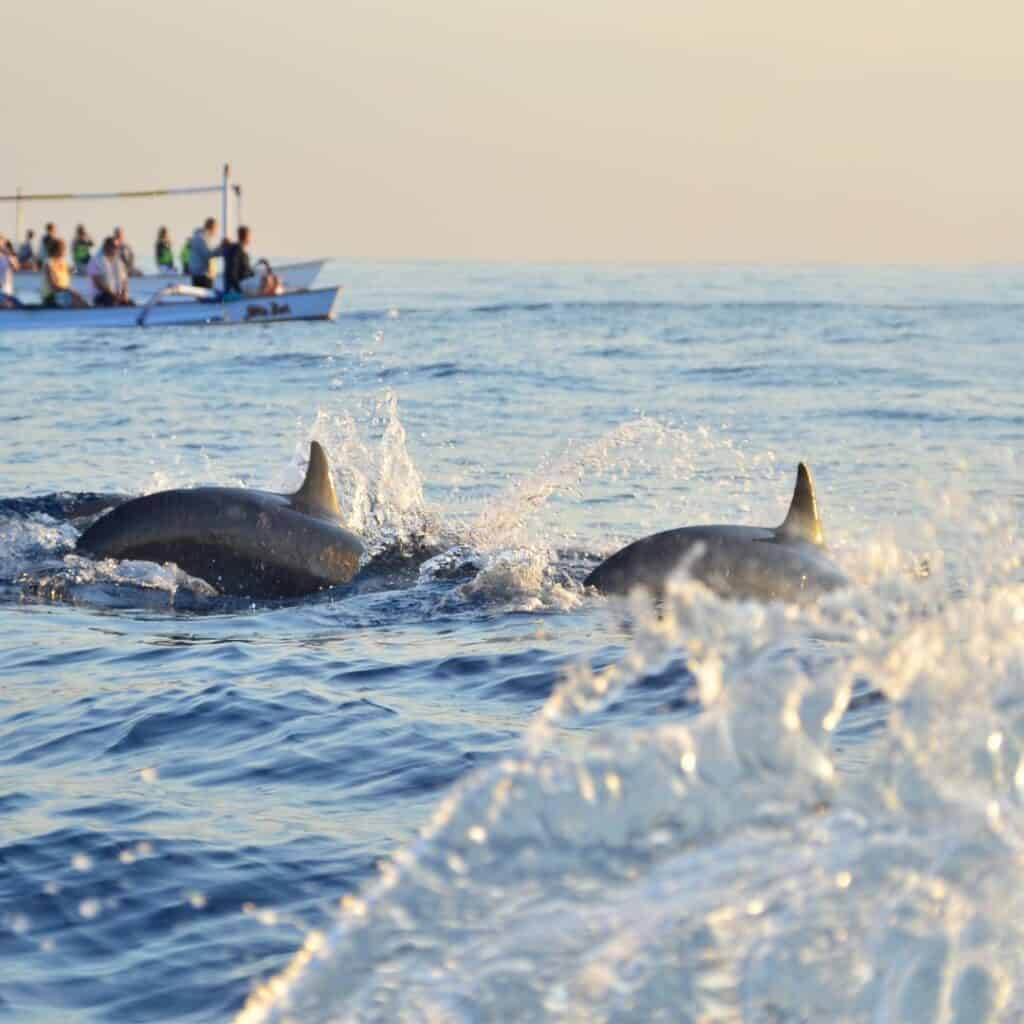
(317, 491)
(803, 520)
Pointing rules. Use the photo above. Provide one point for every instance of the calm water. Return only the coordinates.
(469, 791)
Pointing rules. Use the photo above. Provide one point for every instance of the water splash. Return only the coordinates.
(638, 451)
(725, 865)
(379, 488)
(31, 539)
(525, 549)
(527, 552)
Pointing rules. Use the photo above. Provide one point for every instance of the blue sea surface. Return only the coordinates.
(468, 789)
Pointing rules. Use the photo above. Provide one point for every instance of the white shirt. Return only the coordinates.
(6, 275)
(111, 272)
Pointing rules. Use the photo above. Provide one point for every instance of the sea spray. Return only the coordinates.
(725, 865)
(379, 488)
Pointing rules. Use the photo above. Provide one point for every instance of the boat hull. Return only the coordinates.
(294, 276)
(319, 304)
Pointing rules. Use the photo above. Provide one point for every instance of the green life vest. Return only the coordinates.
(80, 252)
(186, 254)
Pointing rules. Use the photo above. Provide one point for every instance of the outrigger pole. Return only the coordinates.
(225, 188)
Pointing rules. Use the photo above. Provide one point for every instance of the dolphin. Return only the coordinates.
(788, 563)
(243, 542)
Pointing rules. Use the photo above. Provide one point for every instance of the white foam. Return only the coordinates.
(725, 866)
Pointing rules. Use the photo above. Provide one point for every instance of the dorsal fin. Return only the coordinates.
(803, 522)
(317, 493)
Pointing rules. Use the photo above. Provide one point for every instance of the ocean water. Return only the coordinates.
(467, 790)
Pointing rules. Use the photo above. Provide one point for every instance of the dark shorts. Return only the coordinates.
(202, 281)
(103, 299)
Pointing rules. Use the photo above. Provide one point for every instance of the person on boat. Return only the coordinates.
(237, 265)
(46, 244)
(203, 252)
(186, 254)
(55, 284)
(108, 277)
(164, 252)
(26, 252)
(8, 264)
(81, 249)
(125, 253)
(269, 283)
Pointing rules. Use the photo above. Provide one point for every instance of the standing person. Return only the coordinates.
(237, 265)
(108, 276)
(47, 241)
(81, 249)
(55, 285)
(164, 252)
(8, 264)
(199, 261)
(126, 253)
(26, 252)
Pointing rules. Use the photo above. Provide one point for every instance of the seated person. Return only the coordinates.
(46, 245)
(108, 277)
(269, 283)
(55, 284)
(81, 249)
(26, 252)
(8, 264)
(164, 252)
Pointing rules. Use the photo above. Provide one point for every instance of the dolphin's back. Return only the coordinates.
(788, 563)
(647, 562)
(733, 561)
(242, 541)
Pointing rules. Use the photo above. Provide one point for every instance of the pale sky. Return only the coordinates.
(762, 131)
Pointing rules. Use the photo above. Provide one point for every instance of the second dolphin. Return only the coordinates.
(785, 563)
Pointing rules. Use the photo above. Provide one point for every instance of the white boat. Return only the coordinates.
(171, 306)
(294, 276)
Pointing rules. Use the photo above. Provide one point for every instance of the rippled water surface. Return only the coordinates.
(467, 789)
